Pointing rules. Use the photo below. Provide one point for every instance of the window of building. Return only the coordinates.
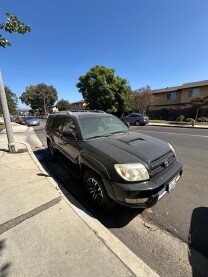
(171, 95)
(193, 92)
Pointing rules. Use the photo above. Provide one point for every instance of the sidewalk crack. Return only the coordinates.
(16, 221)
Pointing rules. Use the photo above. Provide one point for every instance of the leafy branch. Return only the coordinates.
(12, 25)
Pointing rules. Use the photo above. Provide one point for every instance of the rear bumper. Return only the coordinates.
(146, 194)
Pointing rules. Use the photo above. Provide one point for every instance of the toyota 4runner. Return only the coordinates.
(115, 164)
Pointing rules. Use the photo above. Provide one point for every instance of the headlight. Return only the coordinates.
(171, 147)
(132, 172)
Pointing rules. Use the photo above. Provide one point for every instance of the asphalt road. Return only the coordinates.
(174, 212)
(183, 212)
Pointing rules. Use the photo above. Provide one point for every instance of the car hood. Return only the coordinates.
(131, 147)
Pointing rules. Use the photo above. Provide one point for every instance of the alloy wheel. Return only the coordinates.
(95, 191)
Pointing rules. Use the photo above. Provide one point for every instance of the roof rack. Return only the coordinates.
(92, 111)
(71, 111)
(63, 112)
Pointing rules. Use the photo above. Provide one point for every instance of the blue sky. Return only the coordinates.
(149, 42)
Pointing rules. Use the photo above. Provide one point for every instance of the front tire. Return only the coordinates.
(137, 123)
(96, 191)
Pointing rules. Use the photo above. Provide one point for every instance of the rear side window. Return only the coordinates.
(134, 115)
(50, 121)
(69, 125)
(58, 124)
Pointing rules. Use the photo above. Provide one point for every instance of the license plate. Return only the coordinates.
(172, 184)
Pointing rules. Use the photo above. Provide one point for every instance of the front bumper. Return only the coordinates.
(146, 194)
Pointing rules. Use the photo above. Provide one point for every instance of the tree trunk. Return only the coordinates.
(196, 114)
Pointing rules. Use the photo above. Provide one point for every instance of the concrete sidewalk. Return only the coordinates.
(45, 232)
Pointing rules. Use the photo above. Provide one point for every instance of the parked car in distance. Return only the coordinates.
(115, 164)
(20, 119)
(13, 118)
(28, 120)
(136, 118)
(44, 116)
(31, 121)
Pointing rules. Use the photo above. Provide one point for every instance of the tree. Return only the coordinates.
(11, 101)
(197, 103)
(142, 99)
(63, 105)
(12, 25)
(102, 90)
(40, 97)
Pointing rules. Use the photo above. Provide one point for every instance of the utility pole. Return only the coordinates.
(44, 100)
(11, 142)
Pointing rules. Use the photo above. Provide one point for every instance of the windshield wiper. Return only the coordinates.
(107, 135)
(101, 136)
(119, 132)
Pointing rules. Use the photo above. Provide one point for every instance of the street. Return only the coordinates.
(183, 212)
(174, 212)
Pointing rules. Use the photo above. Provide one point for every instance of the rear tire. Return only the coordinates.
(96, 191)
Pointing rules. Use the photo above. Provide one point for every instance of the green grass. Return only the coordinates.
(177, 122)
(2, 126)
(202, 123)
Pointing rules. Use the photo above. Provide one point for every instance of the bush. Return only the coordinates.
(36, 113)
(202, 119)
(181, 118)
(189, 119)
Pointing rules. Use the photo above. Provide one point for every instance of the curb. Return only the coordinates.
(124, 254)
(178, 126)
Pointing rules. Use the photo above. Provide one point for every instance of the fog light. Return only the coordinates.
(136, 201)
(142, 200)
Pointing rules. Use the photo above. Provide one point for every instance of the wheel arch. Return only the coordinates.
(105, 178)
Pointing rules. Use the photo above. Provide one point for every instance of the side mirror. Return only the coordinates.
(69, 134)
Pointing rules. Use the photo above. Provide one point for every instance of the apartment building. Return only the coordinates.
(79, 105)
(171, 102)
(178, 97)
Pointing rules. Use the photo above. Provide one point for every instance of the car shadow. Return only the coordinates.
(198, 242)
(4, 268)
(119, 217)
(66, 175)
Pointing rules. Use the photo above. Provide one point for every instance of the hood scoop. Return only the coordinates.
(131, 141)
(135, 141)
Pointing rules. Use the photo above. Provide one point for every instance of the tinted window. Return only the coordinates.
(50, 121)
(58, 124)
(98, 126)
(30, 117)
(69, 126)
(135, 115)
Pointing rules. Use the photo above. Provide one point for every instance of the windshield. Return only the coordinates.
(29, 117)
(101, 126)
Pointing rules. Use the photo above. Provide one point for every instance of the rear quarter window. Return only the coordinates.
(58, 123)
(50, 121)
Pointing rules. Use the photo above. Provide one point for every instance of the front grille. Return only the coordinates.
(161, 163)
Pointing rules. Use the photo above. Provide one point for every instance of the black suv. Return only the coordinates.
(115, 164)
